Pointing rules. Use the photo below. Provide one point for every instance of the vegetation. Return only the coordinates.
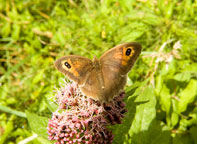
(162, 86)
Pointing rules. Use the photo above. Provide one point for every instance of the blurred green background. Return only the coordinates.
(33, 34)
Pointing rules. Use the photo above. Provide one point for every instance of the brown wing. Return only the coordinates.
(115, 65)
(76, 68)
(92, 86)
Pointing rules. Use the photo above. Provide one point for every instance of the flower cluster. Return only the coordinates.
(81, 120)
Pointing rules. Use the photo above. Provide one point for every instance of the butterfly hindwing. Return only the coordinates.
(92, 86)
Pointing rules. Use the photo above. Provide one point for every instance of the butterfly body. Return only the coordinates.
(101, 79)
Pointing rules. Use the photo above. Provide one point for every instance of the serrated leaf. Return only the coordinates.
(187, 95)
(38, 124)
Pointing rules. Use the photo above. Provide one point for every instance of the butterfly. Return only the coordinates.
(101, 79)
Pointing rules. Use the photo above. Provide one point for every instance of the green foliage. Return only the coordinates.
(38, 124)
(162, 87)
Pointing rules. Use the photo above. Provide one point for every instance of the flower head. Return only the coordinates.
(80, 119)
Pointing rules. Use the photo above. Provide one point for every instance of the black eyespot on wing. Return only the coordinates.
(67, 65)
(128, 52)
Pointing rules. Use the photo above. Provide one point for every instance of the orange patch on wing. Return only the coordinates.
(118, 55)
(75, 73)
(126, 58)
(77, 64)
(124, 63)
(72, 69)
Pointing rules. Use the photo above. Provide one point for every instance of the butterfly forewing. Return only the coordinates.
(122, 57)
(101, 79)
(115, 65)
(75, 67)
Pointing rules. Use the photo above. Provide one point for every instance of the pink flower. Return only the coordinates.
(82, 120)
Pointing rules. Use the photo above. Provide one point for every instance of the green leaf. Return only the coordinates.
(155, 134)
(132, 36)
(134, 89)
(38, 77)
(185, 76)
(165, 99)
(193, 132)
(38, 124)
(131, 90)
(16, 67)
(120, 130)
(9, 110)
(44, 141)
(52, 106)
(187, 95)
(9, 127)
(159, 83)
(191, 68)
(174, 118)
(145, 111)
(174, 114)
(182, 139)
(6, 29)
(16, 31)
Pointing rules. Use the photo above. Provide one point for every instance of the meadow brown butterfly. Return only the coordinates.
(101, 79)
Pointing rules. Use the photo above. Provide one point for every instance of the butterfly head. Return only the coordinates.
(96, 62)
